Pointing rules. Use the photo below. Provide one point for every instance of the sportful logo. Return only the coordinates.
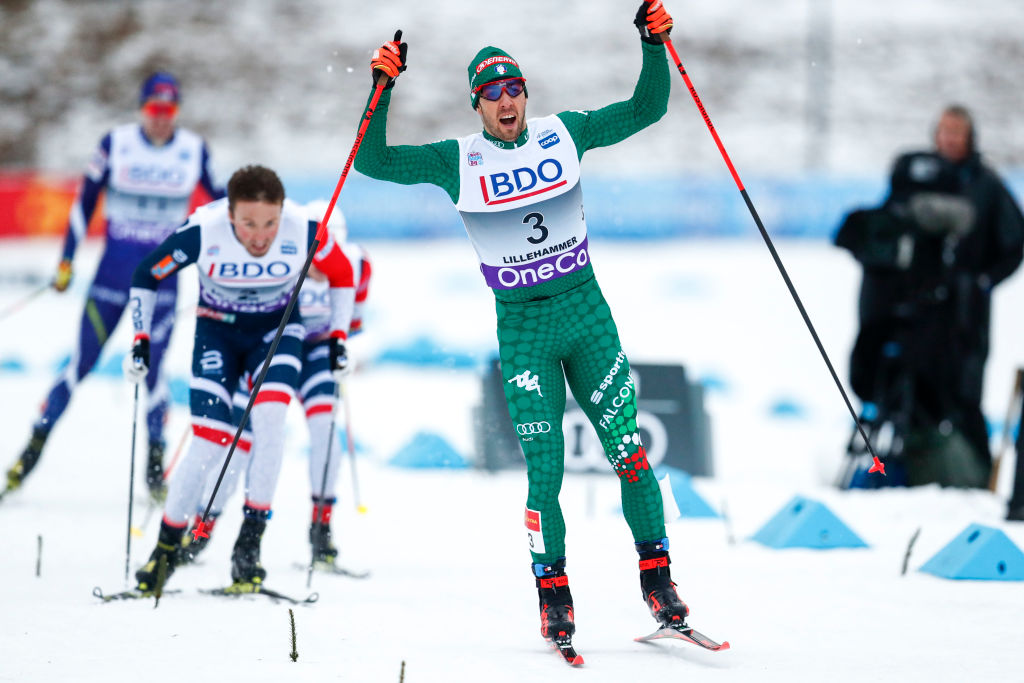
(527, 428)
(596, 397)
(519, 183)
(525, 381)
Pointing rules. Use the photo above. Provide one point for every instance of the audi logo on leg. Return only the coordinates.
(527, 428)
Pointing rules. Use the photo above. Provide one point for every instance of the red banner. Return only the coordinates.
(36, 204)
(39, 204)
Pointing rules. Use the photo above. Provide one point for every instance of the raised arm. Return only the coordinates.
(616, 122)
(435, 163)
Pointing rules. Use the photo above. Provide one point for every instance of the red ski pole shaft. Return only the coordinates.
(877, 465)
(321, 233)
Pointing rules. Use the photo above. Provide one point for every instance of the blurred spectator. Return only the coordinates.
(148, 172)
(948, 232)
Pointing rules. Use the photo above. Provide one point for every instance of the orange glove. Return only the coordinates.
(389, 59)
(652, 19)
(63, 277)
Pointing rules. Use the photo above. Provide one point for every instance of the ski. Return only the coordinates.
(338, 570)
(236, 590)
(685, 633)
(563, 646)
(133, 594)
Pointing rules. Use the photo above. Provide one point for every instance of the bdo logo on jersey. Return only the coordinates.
(250, 270)
(520, 183)
(152, 175)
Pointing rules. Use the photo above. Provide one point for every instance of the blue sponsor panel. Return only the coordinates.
(428, 352)
(12, 364)
(427, 450)
(631, 207)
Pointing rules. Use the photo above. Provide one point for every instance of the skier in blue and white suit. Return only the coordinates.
(149, 171)
(249, 250)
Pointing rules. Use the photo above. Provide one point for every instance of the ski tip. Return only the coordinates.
(575, 661)
(725, 645)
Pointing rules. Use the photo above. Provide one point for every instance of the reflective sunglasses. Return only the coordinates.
(160, 109)
(492, 91)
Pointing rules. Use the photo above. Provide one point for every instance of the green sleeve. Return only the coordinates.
(616, 122)
(436, 163)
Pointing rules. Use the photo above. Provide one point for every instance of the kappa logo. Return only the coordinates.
(525, 381)
(474, 158)
(500, 69)
(528, 428)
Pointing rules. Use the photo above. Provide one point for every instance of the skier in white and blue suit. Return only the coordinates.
(149, 171)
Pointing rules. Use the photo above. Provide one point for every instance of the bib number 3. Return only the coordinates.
(538, 225)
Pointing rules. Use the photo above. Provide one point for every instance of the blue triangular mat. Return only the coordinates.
(806, 523)
(979, 552)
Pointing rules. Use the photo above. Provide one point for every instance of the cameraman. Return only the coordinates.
(989, 254)
(947, 233)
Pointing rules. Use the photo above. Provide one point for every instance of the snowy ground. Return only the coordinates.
(450, 593)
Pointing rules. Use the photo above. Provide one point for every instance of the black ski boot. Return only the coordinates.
(324, 550)
(28, 459)
(191, 546)
(320, 533)
(656, 583)
(155, 471)
(556, 615)
(167, 544)
(245, 558)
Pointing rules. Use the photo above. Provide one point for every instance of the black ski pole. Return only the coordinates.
(131, 487)
(323, 482)
(321, 236)
(877, 465)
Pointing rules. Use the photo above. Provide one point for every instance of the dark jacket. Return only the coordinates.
(927, 282)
